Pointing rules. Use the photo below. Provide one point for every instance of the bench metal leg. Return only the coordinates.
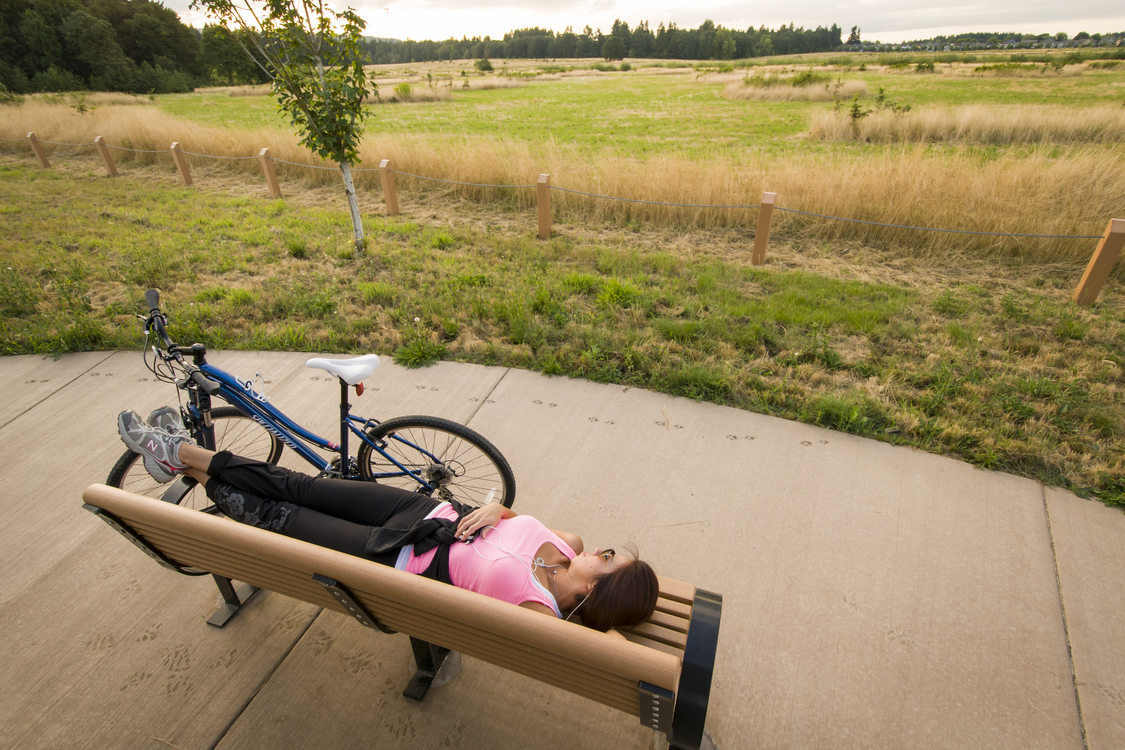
(428, 659)
(233, 600)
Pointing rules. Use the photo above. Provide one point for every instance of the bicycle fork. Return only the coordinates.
(199, 411)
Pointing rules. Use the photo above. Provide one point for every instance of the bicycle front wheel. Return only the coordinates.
(437, 457)
(234, 432)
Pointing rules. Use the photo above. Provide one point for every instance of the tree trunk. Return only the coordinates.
(353, 204)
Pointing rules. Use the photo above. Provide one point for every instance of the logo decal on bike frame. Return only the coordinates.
(276, 432)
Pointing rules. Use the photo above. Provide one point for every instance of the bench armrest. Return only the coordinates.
(698, 666)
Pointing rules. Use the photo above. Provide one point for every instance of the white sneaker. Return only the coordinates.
(168, 418)
(160, 449)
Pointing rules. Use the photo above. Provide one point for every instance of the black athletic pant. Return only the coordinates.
(336, 513)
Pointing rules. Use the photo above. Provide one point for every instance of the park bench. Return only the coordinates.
(660, 672)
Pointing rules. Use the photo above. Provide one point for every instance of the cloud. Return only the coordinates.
(887, 20)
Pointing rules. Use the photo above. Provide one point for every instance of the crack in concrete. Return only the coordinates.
(61, 388)
(1065, 621)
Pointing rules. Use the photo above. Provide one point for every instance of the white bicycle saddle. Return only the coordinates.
(351, 371)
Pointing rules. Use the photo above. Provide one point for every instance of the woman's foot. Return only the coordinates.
(160, 449)
(167, 418)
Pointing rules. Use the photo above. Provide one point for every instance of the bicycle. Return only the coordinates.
(430, 455)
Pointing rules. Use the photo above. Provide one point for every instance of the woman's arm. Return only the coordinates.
(482, 517)
(542, 609)
(573, 540)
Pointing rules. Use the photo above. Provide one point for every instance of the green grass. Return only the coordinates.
(640, 114)
(994, 365)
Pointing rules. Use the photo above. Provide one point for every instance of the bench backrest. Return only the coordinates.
(583, 661)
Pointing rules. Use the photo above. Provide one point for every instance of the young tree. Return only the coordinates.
(315, 56)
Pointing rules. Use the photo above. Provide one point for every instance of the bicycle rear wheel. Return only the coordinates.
(456, 462)
(234, 432)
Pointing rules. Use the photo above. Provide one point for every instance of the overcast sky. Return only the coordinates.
(879, 20)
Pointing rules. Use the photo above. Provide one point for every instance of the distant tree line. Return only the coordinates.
(140, 46)
(978, 40)
(707, 42)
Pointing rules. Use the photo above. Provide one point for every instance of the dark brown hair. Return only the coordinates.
(622, 598)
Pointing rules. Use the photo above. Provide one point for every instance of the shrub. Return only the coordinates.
(53, 79)
(12, 79)
(613, 49)
(404, 91)
(483, 65)
(808, 78)
(157, 80)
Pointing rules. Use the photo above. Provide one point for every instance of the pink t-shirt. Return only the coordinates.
(498, 562)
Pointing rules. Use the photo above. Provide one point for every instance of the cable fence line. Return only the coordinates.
(1097, 272)
(458, 182)
(938, 229)
(73, 145)
(307, 166)
(136, 150)
(214, 156)
(651, 202)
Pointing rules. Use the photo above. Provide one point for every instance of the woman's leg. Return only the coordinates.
(294, 521)
(363, 503)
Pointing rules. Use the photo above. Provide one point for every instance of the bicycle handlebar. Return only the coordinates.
(209, 386)
(155, 318)
(152, 299)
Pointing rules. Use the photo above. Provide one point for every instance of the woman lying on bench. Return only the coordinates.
(488, 549)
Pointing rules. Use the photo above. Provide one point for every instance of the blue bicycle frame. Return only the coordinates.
(242, 395)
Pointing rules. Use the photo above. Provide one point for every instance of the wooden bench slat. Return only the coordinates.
(666, 648)
(664, 635)
(674, 608)
(669, 621)
(679, 591)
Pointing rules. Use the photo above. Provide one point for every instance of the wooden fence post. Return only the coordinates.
(37, 147)
(390, 197)
(271, 173)
(181, 162)
(1101, 263)
(543, 198)
(762, 237)
(110, 167)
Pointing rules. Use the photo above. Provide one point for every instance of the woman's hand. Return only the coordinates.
(481, 518)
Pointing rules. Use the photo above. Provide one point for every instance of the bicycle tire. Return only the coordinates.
(468, 467)
(234, 431)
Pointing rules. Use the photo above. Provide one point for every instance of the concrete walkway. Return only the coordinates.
(875, 597)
